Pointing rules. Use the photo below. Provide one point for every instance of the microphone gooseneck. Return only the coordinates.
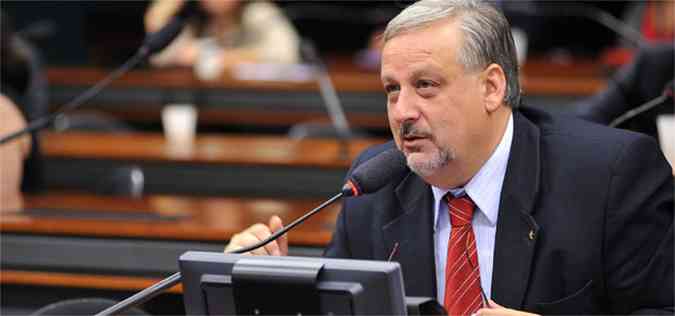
(594, 14)
(369, 177)
(667, 93)
(153, 43)
(160, 39)
(331, 101)
(44, 121)
(327, 90)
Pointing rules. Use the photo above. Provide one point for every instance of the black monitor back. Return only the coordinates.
(228, 284)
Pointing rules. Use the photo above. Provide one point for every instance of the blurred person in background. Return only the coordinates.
(225, 33)
(654, 19)
(12, 155)
(644, 79)
(24, 87)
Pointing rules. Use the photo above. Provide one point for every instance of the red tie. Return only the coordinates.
(462, 277)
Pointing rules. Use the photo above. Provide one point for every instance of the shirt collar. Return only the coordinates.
(485, 186)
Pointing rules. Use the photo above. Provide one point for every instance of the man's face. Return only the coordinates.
(435, 107)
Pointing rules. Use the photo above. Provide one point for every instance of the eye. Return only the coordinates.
(389, 88)
(423, 84)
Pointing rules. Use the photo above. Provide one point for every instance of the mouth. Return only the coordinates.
(413, 138)
(413, 143)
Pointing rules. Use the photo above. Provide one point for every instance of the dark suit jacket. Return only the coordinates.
(642, 80)
(599, 204)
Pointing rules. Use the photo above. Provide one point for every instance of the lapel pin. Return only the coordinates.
(531, 235)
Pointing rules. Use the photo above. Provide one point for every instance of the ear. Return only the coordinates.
(494, 81)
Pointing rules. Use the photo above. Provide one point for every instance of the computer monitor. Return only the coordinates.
(229, 284)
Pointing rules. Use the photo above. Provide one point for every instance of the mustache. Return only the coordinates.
(409, 130)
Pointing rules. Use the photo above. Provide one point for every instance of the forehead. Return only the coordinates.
(431, 47)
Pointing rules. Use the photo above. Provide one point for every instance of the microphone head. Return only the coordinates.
(375, 173)
(157, 41)
(160, 39)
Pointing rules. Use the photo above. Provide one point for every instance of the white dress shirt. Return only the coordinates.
(485, 189)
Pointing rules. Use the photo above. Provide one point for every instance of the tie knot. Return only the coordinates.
(461, 210)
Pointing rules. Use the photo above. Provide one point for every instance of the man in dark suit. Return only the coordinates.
(534, 212)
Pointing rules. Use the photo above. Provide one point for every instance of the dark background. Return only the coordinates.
(107, 32)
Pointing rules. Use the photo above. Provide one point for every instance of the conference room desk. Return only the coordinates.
(234, 165)
(64, 244)
(139, 95)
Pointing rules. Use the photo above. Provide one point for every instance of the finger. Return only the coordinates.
(485, 311)
(493, 304)
(240, 240)
(263, 232)
(275, 225)
(236, 243)
(250, 239)
(233, 244)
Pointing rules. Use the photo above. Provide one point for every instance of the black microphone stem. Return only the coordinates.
(142, 296)
(79, 100)
(594, 14)
(330, 98)
(290, 226)
(335, 111)
(638, 110)
(159, 287)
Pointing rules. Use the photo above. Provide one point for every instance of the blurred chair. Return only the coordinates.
(92, 122)
(83, 306)
(123, 181)
(320, 130)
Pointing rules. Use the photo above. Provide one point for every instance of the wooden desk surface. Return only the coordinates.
(79, 280)
(540, 77)
(208, 149)
(163, 217)
(140, 95)
(349, 81)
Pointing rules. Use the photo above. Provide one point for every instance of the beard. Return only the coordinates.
(425, 163)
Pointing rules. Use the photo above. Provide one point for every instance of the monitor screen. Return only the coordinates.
(229, 284)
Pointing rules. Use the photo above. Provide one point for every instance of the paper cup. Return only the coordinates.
(180, 123)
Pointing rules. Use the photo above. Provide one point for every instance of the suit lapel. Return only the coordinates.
(517, 231)
(410, 228)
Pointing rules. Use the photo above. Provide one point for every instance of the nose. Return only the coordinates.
(404, 108)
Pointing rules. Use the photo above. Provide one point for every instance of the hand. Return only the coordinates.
(495, 309)
(257, 233)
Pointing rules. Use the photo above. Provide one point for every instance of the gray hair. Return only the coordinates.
(487, 35)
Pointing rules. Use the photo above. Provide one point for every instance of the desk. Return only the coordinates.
(140, 95)
(218, 164)
(79, 241)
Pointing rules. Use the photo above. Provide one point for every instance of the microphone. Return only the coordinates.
(375, 173)
(594, 14)
(329, 96)
(667, 93)
(152, 43)
(368, 177)
(327, 90)
(161, 38)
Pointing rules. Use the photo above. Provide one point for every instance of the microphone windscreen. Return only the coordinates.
(157, 41)
(375, 173)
